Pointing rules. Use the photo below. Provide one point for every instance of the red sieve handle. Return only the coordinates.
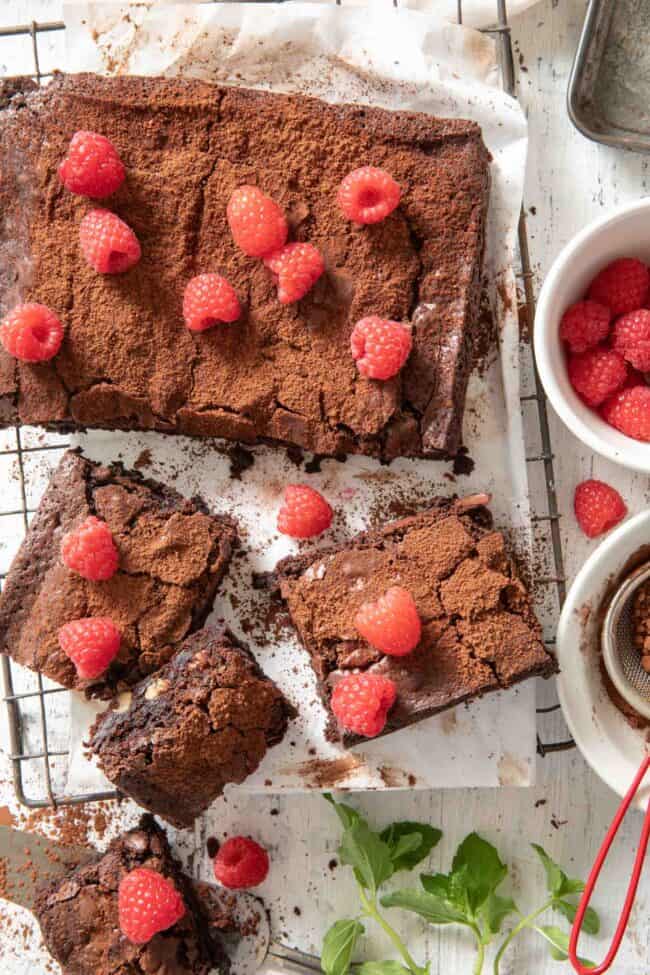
(595, 873)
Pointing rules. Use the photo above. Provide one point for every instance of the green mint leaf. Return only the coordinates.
(410, 843)
(572, 886)
(433, 909)
(493, 912)
(590, 922)
(338, 946)
(347, 815)
(437, 884)
(367, 853)
(555, 876)
(478, 866)
(382, 968)
(558, 942)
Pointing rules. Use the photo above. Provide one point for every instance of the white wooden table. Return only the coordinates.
(569, 181)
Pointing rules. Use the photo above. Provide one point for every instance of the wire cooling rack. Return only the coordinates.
(34, 705)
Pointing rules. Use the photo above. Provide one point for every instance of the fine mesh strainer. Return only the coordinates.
(621, 657)
(622, 661)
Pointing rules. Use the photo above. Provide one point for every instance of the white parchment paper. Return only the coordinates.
(403, 59)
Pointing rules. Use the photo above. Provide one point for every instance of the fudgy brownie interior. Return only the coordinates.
(203, 721)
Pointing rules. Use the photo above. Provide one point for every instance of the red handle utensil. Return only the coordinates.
(595, 873)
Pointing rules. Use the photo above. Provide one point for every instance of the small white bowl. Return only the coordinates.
(624, 232)
(608, 743)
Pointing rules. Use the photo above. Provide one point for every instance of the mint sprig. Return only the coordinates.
(469, 895)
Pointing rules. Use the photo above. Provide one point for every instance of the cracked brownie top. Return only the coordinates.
(203, 721)
(78, 915)
(172, 556)
(479, 631)
(282, 372)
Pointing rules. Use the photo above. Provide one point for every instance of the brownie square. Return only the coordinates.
(282, 373)
(204, 720)
(172, 556)
(479, 631)
(78, 915)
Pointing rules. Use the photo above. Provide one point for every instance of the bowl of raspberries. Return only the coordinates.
(592, 336)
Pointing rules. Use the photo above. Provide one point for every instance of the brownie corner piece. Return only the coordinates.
(479, 629)
(202, 722)
(172, 556)
(78, 915)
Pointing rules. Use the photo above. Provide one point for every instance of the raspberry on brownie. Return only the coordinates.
(79, 915)
(172, 556)
(478, 628)
(285, 373)
(180, 736)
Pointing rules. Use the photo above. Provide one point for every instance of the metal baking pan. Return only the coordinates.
(609, 90)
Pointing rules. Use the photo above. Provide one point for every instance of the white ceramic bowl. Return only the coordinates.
(608, 743)
(624, 232)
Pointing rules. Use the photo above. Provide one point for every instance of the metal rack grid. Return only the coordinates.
(545, 524)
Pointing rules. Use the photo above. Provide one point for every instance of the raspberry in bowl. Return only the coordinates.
(592, 335)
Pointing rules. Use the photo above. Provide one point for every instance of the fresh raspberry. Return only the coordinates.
(147, 903)
(298, 268)
(584, 325)
(622, 286)
(90, 551)
(629, 411)
(631, 337)
(391, 624)
(361, 702)
(91, 644)
(597, 373)
(209, 299)
(598, 507)
(92, 167)
(304, 513)
(108, 244)
(368, 195)
(380, 347)
(31, 332)
(241, 863)
(257, 223)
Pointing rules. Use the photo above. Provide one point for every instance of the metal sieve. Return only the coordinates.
(621, 657)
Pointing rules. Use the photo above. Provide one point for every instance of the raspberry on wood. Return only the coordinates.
(598, 507)
(241, 863)
(31, 333)
(304, 513)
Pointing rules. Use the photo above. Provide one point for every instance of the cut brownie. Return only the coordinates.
(203, 721)
(479, 631)
(172, 557)
(282, 373)
(78, 915)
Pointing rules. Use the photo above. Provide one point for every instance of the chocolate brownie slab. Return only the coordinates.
(78, 915)
(282, 373)
(204, 720)
(479, 631)
(172, 557)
